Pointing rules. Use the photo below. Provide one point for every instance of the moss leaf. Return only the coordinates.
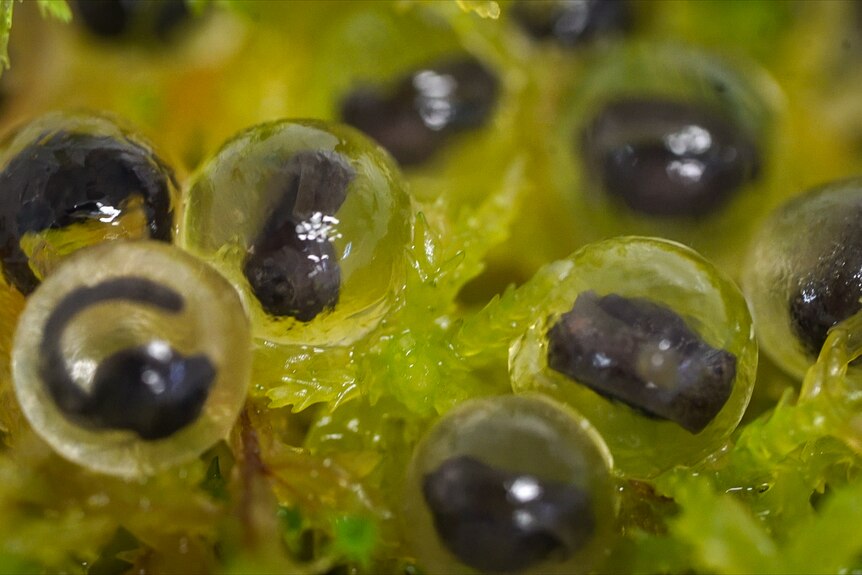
(484, 8)
(725, 536)
(355, 538)
(6, 7)
(58, 9)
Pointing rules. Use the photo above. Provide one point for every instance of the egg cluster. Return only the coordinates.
(492, 310)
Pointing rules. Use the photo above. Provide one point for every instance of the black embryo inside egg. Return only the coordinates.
(499, 521)
(70, 178)
(151, 390)
(831, 291)
(667, 158)
(292, 266)
(643, 354)
(572, 22)
(115, 19)
(414, 118)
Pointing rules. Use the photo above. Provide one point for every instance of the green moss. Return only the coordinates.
(312, 478)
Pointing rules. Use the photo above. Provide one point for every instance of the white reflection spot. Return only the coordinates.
(525, 489)
(688, 171)
(433, 98)
(153, 381)
(601, 360)
(434, 85)
(523, 518)
(159, 349)
(109, 213)
(318, 228)
(83, 370)
(690, 140)
(319, 264)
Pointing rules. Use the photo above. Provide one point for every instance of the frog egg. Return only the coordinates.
(310, 222)
(132, 357)
(668, 142)
(412, 86)
(651, 343)
(803, 274)
(510, 484)
(67, 182)
(415, 117)
(425, 90)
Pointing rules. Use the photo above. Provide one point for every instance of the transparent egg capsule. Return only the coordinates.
(416, 116)
(803, 274)
(310, 222)
(132, 357)
(668, 142)
(437, 96)
(510, 484)
(651, 343)
(68, 182)
(413, 86)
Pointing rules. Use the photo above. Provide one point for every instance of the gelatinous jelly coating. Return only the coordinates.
(643, 354)
(801, 284)
(498, 521)
(572, 23)
(115, 19)
(660, 140)
(68, 182)
(668, 158)
(414, 117)
(650, 294)
(310, 222)
(516, 484)
(132, 357)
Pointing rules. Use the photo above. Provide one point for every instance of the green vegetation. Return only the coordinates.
(312, 479)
